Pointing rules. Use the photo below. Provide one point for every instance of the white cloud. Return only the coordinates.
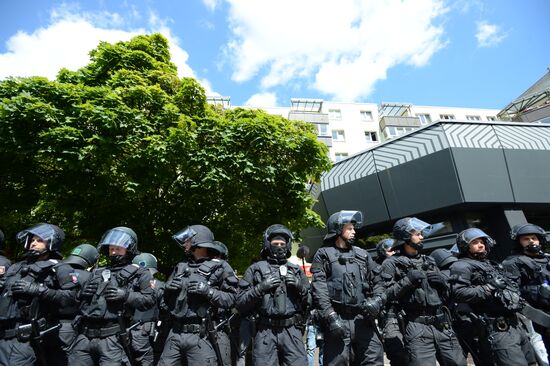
(489, 35)
(262, 100)
(67, 41)
(341, 49)
(211, 4)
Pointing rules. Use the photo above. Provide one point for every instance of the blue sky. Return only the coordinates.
(463, 53)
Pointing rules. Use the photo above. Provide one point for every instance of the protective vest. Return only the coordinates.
(98, 307)
(347, 272)
(153, 313)
(280, 302)
(424, 296)
(24, 309)
(183, 305)
(70, 278)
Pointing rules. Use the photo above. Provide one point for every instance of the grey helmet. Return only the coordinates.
(222, 249)
(443, 257)
(403, 228)
(337, 221)
(382, 246)
(120, 236)
(526, 229)
(183, 235)
(277, 231)
(147, 261)
(465, 237)
(83, 255)
(203, 237)
(52, 236)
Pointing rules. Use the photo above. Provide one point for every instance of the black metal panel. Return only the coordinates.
(529, 173)
(483, 175)
(421, 185)
(363, 194)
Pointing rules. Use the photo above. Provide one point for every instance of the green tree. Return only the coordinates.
(124, 141)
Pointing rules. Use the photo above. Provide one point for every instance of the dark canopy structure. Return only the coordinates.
(491, 175)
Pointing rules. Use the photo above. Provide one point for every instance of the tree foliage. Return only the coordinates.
(124, 141)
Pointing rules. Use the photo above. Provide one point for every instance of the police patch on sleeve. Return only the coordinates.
(74, 277)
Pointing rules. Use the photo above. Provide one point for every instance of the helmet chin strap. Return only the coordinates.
(417, 246)
(479, 255)
(35, 254)
(533, 248)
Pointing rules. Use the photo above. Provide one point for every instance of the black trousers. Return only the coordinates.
(279, 346)
(187, 349)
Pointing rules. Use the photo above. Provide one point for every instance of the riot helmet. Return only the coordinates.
(120, 236)
(465, 237)
(147, 261)
(277, 232)
(83, 255)
(405, 227)
(443, 257)
(383, 246)
(337, 221)
(203, 237)
(222, 249)
(527, 229)
(50, 234)
(183, 235)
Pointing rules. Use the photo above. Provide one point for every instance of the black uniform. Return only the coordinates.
(494, 302)
(23, 315)
(417, 288)
(103, 318)
(532, 275)
(342, 280)
(223, 319)
(144, 334)
(280, 312)
(192, 314)
(5, 263)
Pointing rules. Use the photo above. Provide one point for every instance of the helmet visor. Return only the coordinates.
(183, 235)
(417, 225)
(354, 217)
(117, 238)
(44, 231)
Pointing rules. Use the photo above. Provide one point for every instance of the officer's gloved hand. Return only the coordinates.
(175, 284)
(372, 306)
(293, 281)
(21, 287)
(268, 284)
(335, 325)
(115, 294)
(416, 276)
(199, 288)
(436, 279)
(89, 290)
(497, 282)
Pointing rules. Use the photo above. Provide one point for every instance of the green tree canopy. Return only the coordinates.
(124, 141)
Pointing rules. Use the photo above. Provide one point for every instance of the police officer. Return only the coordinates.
(417, 288)
(144, 334)
(347, 293)
(31, 299)
(4, 261)
(193, 293)
(278, 292)
(494, 300)
(388, 320)
(531, 269)
(109, 299)
(74, 271)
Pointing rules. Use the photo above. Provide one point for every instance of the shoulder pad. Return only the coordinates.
(208, 267)
(128, 272)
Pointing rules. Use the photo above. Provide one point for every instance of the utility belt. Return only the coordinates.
(103, 332)
(23, 332)
(500, 323)
(437, 317)
(342, 309)
(194, 325)
(281, 323)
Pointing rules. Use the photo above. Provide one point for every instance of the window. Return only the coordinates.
(473, 118)
(335, 114)
(322, 130)
(371, 136)
(366, 116)
(491, 118)
(340, 156)
(447, 117)
(338, 135)
(425, 119)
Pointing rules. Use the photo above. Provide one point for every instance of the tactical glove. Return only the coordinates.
(293, 281)
(497, 282)
(21, 287)
(372, 306)
(199, 288)
(335, 325)
(89, 290)
(115, 294)
(510, 299)
(175, 284)
(436, 279)
(416, 276)
(268, 284)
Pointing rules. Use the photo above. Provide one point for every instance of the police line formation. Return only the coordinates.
(415, 308)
